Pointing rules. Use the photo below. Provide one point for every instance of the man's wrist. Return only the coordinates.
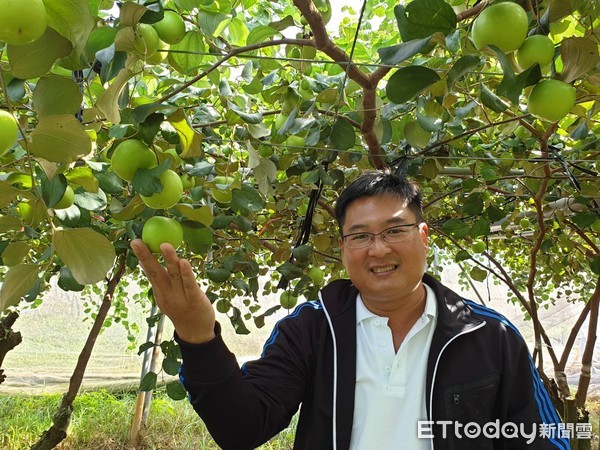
(194, 337)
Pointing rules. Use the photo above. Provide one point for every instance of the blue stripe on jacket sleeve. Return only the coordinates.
(547, 411)
(275, 332)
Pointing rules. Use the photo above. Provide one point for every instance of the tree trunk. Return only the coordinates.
(61, 419)
(8, 339)
(588, 352)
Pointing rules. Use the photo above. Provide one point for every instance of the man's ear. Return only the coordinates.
(424, 232)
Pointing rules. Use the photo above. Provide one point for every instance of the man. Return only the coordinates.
(390, 359)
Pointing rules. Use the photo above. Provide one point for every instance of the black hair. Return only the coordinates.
(375, 183)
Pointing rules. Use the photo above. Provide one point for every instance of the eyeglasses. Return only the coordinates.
(393, 234)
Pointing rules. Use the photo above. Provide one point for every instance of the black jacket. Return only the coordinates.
(479, 370)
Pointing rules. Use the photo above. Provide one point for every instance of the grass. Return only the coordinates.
(102, 421)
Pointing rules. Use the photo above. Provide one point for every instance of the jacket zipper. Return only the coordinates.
(456, 398)
(335, 375)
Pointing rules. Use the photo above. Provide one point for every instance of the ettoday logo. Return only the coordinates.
(508, 430)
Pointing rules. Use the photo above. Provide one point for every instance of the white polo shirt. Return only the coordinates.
(390, 386)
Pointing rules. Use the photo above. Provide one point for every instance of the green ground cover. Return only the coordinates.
(102, 421)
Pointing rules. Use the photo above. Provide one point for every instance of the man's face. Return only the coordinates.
(385, 273)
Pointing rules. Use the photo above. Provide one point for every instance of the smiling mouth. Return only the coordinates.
(383, 269)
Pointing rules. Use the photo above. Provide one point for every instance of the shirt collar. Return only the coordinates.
(362, 313)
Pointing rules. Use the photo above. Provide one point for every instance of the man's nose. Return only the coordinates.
(379, 246)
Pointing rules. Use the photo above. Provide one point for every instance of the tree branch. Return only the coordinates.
(471, 11)
(231, 54)
(561, 377)
(588, 352)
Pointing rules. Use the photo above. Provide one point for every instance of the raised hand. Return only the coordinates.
(177, 293)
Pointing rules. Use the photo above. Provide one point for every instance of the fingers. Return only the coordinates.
(190, 285)
(177, 281)
(171, 261)
(149, 263)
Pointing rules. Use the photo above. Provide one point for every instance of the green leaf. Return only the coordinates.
(15, 253)
(478, 274)
(461, 67)
(202, 215)
(579, 55)
(55, 95)
(189, 139)
(73, 20)
(131, 13)
(108, 102)
(407, 82)
(83, 176)
(265, 171)
(142, 112)
(176, 391)
(480, 228)
(511, 86)
(260, 34)
(456, 228)
(186, 5)
(246, 200)
(253, 118)
(422, 18)
(584, 219)
(53, 190)
(212, 24)
(66, 281)
(91, 201)
(202, 169)
(491, 100)
(99, 39)
(9, 223)
(171, 366)
(238, 32)
(237, 322)
(462, 255)
(7, 194)
(290, 271)
(155, 11)
(94, 6)
(473, 206)
(343, 134)
(198, 238)
(311, 177)
(35, 59)
(302, 252)
(188, 55)
(148, 383)
(88, 254)
(430, 168)
(595, 264)
(495, 213)
(415, 135)
(147, 181)
(133, 209)
(18, 281)
(16, 90)
(219, 275)
(60, 139)
(401, 52)
(558, 9)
